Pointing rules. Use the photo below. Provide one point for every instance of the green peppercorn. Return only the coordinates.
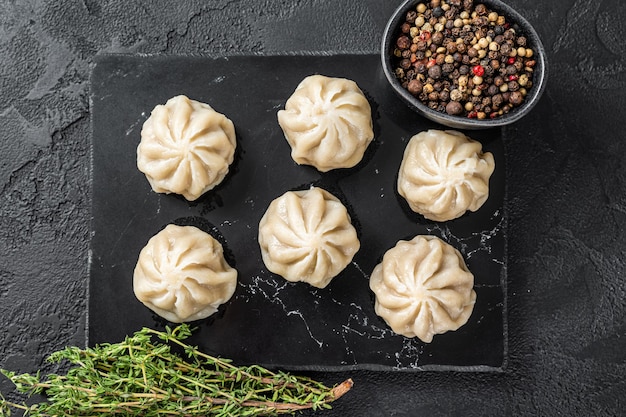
(523, 80)
(446, 38)
(456, 95)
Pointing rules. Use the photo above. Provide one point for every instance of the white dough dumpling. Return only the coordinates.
(327, 122)
(186, 147)
(423, 288)
(444, 173)
(307, 236)
(181, 274)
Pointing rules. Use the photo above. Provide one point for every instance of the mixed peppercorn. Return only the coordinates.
(463, 59)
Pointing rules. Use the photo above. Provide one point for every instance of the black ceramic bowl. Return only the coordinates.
(462, 122)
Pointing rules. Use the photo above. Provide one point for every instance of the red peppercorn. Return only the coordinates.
(493, 115)
(425, 35)
(513, 77)
(511, 60)
(472, 115)
(478, 70)
(431, 63)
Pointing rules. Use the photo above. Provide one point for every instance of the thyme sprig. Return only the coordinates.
(143, 376)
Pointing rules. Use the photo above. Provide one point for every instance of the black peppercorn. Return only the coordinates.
(411, 16)
(436, 63)
(454, 108)
(492, 90)
(415, 87)
(516, 98)
(403, 42)
(420, 66)
(437, 38)
(505, 49)
(434, 72)
(496, 101)
(481, 9)
(513, 85)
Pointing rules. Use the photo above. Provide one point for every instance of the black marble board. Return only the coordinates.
(269, 321)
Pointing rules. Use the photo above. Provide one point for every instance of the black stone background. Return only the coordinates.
(565, 172)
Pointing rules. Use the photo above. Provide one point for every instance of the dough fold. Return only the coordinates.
(327, 122)
(423, 288)
(186, 147)
(307, 236)
(181, 274)
(444, 174)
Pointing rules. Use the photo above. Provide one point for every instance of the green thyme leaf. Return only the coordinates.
(142, 376)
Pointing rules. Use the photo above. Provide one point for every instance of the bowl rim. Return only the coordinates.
(540, 74)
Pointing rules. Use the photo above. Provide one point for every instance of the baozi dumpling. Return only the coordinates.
(186, 147)
(444, 173)
(423, 288)
(327, 122)
(307, 236)
(182, 275)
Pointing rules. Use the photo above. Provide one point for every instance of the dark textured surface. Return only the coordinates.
(335, 328)
(567, 189)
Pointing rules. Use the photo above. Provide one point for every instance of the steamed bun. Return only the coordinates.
(444, 173)
(327, 122)
(423, 288)
(307, 236)
(181, 274)
(186, 147)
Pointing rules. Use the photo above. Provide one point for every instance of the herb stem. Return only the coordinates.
(142, 377)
